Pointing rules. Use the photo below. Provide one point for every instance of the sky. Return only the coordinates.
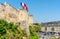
(42, 10)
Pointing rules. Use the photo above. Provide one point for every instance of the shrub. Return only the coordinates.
(33, 35)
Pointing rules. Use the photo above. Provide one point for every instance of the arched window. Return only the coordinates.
(45, 28)
(52, 28)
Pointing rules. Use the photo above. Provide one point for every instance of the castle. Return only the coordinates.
(18, 16)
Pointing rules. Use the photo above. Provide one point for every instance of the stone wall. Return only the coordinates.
(21, 16)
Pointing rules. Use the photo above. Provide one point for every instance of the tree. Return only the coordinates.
(37, 27)
(33, 35)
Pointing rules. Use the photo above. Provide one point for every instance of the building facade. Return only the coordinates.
(51, 26)
(18, 16)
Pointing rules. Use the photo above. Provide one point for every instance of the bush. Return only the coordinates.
(3, 37)
(10, 30)
(54, 38)
(33, 35)
(37, 28)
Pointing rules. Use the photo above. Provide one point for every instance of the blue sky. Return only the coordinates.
(42, 10)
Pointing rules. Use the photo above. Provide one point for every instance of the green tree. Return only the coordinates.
(37, 27)
(33, 35)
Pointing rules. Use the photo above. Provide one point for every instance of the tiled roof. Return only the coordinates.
(51, 24)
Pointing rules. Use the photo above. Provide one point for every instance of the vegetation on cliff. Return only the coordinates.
(37, 27)
(33, 35)
(33, 30)
(10, 30)
(13, 31)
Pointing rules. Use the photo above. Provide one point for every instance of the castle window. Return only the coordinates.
(18, 23)
(12, 15)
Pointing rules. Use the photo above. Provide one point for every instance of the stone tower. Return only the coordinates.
(21, 16)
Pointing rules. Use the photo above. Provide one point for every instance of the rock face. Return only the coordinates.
(20, 17)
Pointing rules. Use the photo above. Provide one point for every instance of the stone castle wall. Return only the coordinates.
(21, 16)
